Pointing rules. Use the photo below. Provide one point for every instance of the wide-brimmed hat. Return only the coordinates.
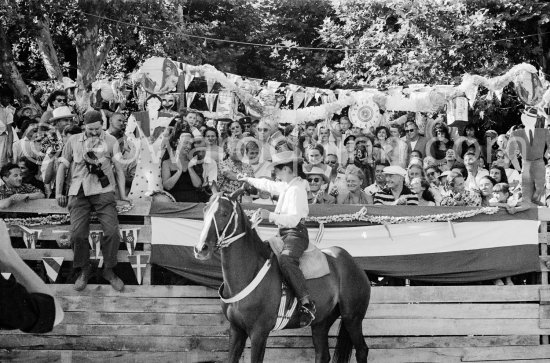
(395, 169)
(284, 157)
(491, 132)
(444, 174)
(316, 170)
(530, 111)
(62, 112)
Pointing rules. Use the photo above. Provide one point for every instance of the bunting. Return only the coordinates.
(273, 85)
(298, 99)
(498, 93)
(310, 93)
(288, 95)
(188, 79)
(189, 98)
(210, 84)
(139, 263)
(6, 275)
(471, 94)
(210, 100)
(53, 266)
(129, 237)
(94, 238)
(30, 236)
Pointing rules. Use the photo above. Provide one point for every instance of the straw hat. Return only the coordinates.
(62, 112)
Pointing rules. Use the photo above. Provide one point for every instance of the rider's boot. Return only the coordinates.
(307, 313)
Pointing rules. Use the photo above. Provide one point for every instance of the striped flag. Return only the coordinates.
(139, 263)
(129, 237)
(320, 233)
(52, 265)
(94, 238)
(30, 236)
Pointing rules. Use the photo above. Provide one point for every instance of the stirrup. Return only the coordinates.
(307, 314)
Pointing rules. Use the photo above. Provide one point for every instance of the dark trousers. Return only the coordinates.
(295, 241)
(80, 207)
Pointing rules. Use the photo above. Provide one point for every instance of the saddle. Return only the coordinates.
(313, 262)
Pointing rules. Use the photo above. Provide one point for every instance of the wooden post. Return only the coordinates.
(146, 281)
(543, 214)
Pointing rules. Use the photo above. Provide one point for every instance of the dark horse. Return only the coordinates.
(344, 292)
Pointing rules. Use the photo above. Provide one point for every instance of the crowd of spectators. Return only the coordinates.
(409, 161)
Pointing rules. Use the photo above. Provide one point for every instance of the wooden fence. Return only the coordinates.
(184, 323)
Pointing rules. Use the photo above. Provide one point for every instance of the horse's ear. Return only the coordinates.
(237, 193)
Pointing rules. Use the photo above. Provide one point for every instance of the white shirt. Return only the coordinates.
(292, 204)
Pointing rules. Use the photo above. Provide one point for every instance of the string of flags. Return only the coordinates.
(129, 236)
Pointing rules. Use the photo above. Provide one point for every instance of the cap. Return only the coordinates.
(92, 116)
(395, 169)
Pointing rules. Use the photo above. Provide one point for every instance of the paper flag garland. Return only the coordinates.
(210, 84)
(52, 265)
(210, 100)
(324, 99)
(273, 85)
(129, 237)
(6, 275)
(310, 93)
(188, 79)
(189, 98)
(298, 99)
(471, 93)
(30, 236)
(139, 263)
(288, 95)
(94, 238)
(498, 93)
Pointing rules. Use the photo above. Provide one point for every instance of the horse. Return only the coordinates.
(245, 258)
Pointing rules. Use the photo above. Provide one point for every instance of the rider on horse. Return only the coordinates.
(289, 215)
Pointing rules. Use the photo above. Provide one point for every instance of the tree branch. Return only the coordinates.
(47, 50)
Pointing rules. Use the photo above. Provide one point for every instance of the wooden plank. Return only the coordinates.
(507, 353)
(141, 318)
(53, 232)
(543, 237)
(84, 356)
(49, 206)
(116, 304)
(135, 291)
(67, 254)
(379, 294)
(544, 295)
(220, 343)
(426, 294)
(371, 327)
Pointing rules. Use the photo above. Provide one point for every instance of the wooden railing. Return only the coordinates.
(184, 323)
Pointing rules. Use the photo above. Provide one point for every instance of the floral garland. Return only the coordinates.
(362, 215)
(52, 219)
(56, 219)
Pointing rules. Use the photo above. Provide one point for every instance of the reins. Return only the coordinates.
(224, 240)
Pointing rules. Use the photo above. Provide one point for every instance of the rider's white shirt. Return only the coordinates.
(292, 204)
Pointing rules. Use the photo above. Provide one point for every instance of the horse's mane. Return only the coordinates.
(263, 248)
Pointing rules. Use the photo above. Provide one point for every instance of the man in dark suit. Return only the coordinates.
(532, 143)
(414, 140)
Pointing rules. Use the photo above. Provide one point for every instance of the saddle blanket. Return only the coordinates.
(313, 262)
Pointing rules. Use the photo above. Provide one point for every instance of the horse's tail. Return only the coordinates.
(342, 351)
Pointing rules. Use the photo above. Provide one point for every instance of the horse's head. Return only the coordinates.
(222, 219)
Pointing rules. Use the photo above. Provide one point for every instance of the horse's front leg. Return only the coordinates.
(237, 340)
(258, 341)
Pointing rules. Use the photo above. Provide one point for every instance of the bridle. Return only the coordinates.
(224, 239)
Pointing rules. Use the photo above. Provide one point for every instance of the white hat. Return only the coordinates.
(444, 174)
(316, 170)
(62, 112)
(284, 157)
(395, 169)
(68, 83)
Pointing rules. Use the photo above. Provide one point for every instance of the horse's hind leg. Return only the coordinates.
(237, 340)
(354, 326)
